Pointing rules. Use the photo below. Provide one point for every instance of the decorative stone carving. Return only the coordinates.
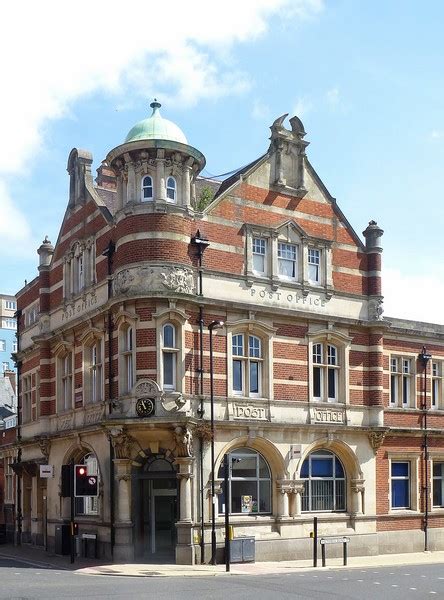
(376, 439)
(45, 447)
(156, 278)
(122, 442)
(147, 388)
(184, 442)
(202, 431)
(376, 309)
(357, 485)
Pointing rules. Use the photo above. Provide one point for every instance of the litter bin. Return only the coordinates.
(242, 550)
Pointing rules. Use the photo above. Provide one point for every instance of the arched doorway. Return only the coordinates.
(155, 509)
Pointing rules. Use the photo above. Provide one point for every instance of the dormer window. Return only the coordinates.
(287, 258)
(171, 189)
(147, 188)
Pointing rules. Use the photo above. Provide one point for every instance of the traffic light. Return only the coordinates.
(84, 484)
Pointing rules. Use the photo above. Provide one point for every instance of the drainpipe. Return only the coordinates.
(202, 243)
(109, 253)
(424, 358)
(19, 514)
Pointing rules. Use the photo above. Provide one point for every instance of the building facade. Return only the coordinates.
(8, 327)
(319, 400)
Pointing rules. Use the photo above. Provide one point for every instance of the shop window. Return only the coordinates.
(400, 484)
(401, 382)
(127, 359)
(169, 356)
(324, 483)
(147, 188)
(171, 189)
(438, 484)
(88, 505)
(247, 368)
(249, 483)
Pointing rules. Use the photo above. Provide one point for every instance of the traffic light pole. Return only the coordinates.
(72, 524)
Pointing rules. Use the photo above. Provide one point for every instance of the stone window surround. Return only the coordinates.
(124, 320)
(27, 389)
(439, 379)
(288, 233)
(93, 337)
(413, 458)
(61, 351)
(178, 318)
(130, 184)
(78, 248)
(342, 343)
(265, 333)
(400, 356)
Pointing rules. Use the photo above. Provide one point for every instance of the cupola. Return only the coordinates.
(155, 167)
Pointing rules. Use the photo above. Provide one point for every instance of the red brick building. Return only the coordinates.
(318, 398)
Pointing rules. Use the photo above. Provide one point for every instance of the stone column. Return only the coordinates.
(357, 487)
(122, 469)
(160, 176)
(184, 476)
(284, 489)
(298, 489)
(185, 553)
(186, 184)
(131, 185)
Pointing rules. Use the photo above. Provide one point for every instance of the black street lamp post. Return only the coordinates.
(424, 357)
(213, 325)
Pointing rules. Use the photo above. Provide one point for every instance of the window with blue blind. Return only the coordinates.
(400, 484)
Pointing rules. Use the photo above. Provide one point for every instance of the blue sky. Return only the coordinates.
(366, 78)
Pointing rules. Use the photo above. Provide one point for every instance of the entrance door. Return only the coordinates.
(158, 518)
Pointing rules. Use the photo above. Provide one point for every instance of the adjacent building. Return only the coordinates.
(8, 327)
(164, 289)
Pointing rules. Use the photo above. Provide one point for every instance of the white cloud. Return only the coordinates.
(413, 296)
(333, 96)
(15, 231)
(302, 107)
(437, 134)
(260, 110)
(55, 54)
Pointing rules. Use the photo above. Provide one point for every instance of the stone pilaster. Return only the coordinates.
(185, 553)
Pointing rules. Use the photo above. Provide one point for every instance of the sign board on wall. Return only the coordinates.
(46, 471)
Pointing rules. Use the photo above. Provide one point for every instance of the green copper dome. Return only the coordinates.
(156, 127)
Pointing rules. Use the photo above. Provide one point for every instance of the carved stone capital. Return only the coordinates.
(122, 442)
(357, 485)
(184, 442)
(45, 447)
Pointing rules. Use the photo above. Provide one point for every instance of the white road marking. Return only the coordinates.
(345, 579)
(377, 583)
(394, 585)
(412, 588)
(433, 592)
(360, 580)
(423, 575)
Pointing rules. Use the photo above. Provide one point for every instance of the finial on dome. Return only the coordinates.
(155, 105)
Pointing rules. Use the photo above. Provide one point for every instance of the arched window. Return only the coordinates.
(171, 189)
(247, 365)
(169, 356)
(147, 188)
(324, 483)
(325, 372)
(249, 483)
(88, 505)
(127, 359)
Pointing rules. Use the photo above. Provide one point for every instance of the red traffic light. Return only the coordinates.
(81, 471)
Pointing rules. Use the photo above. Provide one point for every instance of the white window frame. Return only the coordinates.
(66, 381)
(27, 398)
(436, 385)
(315, 263)
(94, 370)
(407, 478)
(9, 480)
(2, 345)
(288, 253)
(173, 351)
(9, 323)
(435, 479)
(10, 305)
(127, 363)
(260, 249)
(144, 186)
(14, 346)
(402, 382)
(246, 360)
(325, 358)
(171, 189)
(413, 458)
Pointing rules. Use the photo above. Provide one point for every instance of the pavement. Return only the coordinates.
(38, 557)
